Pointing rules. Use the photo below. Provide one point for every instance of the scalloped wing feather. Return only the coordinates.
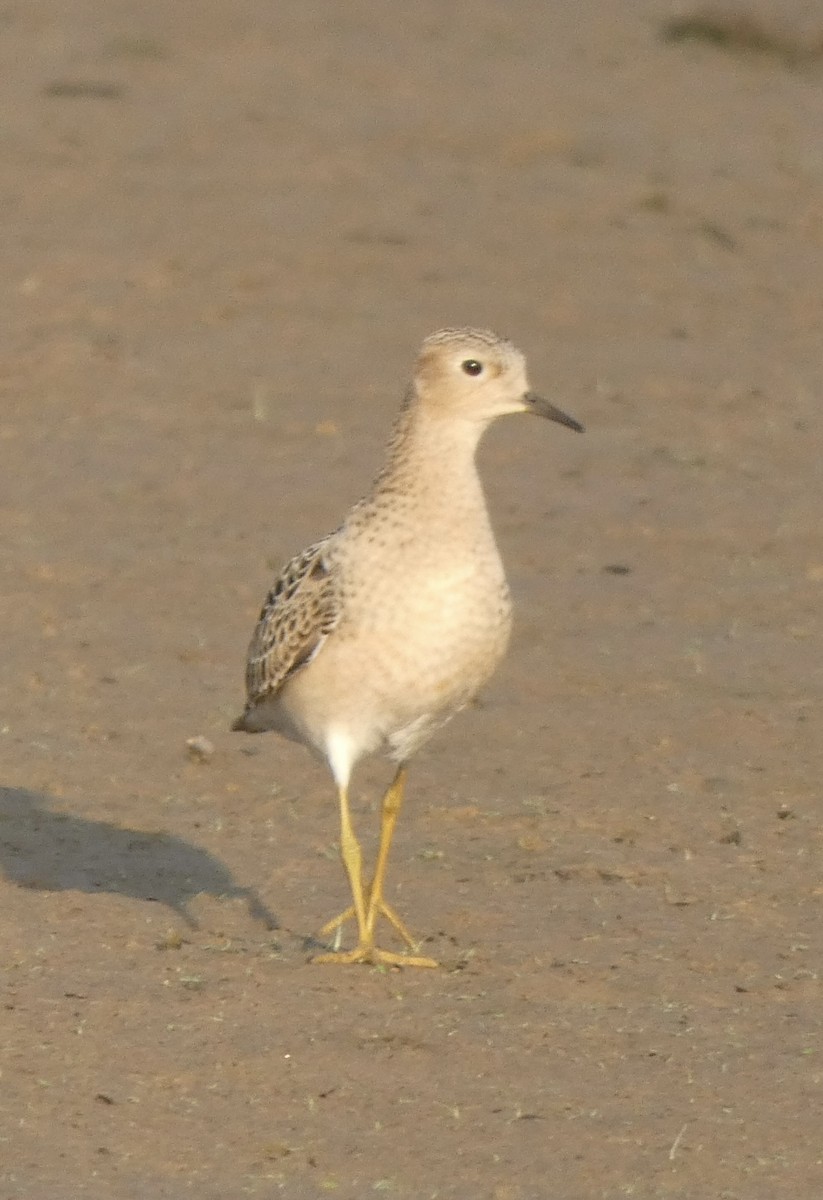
(299, 613)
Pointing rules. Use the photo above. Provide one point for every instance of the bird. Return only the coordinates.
(375, 636)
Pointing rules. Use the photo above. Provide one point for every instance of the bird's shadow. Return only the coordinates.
(56, 852)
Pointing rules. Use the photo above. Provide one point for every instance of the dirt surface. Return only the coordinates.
(226, 229)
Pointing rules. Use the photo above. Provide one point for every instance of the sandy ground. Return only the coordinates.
(226, 229)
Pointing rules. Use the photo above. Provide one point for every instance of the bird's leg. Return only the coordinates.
(369, 903)
(373, 892)
(388, 819)
(377, 906)
(352, 857)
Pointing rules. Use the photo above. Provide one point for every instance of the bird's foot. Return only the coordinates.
(381, 908)
(366, 953)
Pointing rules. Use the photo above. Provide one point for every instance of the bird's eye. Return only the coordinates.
(472, 367)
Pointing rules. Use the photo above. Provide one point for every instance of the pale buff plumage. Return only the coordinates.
(375, 636)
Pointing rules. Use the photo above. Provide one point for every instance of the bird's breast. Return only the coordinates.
(437, 619)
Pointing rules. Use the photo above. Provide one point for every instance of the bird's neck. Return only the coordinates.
(429, 452)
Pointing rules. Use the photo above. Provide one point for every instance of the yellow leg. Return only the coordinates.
(370, 904)
(352, 857)
(388, 819)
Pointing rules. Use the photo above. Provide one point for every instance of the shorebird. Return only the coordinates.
(375, 636)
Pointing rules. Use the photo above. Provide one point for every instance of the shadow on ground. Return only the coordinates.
(55, 852)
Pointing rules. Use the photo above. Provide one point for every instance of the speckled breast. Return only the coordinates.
(434, 628)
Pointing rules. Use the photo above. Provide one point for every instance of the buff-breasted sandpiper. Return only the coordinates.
(372, 638)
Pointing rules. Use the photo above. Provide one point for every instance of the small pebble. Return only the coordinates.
(200, 749)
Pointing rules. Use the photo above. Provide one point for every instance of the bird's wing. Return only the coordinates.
(300, 611)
